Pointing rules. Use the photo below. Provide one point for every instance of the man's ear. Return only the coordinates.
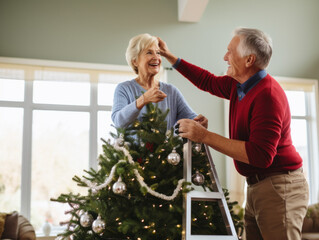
(251, 59)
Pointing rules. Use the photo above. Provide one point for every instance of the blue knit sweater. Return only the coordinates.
(124, 110)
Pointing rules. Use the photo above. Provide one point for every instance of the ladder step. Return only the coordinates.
(198, 195)
(210, 237)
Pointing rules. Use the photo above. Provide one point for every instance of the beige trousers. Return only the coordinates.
(276, 207)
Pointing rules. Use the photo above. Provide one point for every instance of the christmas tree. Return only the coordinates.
(137, 191)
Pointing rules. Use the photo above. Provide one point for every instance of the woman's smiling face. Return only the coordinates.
(149, 61)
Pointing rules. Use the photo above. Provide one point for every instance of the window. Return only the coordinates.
(302, 95)
(52, 117)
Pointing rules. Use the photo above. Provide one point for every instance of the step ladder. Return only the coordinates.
(217, 195)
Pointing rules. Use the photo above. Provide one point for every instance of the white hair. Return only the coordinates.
(136, 45)
(254, 41)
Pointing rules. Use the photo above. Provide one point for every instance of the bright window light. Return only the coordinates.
(11, 122)
(11, 90)
(60, 150)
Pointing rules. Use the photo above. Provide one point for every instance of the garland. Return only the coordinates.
(139, 178)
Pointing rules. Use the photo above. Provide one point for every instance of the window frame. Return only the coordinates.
(28, 107)
(312, 120)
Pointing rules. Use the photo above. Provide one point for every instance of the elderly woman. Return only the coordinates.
(130, 97)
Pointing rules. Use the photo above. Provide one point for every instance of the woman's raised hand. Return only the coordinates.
(154, 95)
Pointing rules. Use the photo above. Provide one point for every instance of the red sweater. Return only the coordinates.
(261, 119)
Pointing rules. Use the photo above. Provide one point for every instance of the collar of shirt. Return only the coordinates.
(243, 89)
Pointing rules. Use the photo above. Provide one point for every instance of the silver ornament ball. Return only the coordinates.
(119, 187)
(198, 178)
(98, 225)
(86, 219)
(174, 158)
(198, 147)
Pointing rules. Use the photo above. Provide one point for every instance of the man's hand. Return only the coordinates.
(192, 130)
(163, 47)
(165, 51)
(202, 120)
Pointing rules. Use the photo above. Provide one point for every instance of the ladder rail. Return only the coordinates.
(215, 181)
(218, 195)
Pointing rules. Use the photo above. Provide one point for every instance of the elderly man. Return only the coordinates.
(260, 141)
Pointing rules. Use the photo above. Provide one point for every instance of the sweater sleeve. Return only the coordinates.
(124, 110)
(268, 116)
(220, 86)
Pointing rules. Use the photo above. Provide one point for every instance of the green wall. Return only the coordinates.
(98, 31)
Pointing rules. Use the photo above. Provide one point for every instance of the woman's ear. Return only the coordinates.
(134, 62)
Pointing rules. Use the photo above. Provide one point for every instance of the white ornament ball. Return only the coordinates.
(174, 158)
(98, 225)
(86, 219)
(198, 178)
(119, 187)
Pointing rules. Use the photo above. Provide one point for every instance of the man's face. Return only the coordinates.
(236, 68)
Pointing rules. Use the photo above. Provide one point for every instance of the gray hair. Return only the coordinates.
(136, 45)
(254, 41)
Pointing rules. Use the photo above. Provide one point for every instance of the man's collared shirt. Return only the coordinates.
(243, 89)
